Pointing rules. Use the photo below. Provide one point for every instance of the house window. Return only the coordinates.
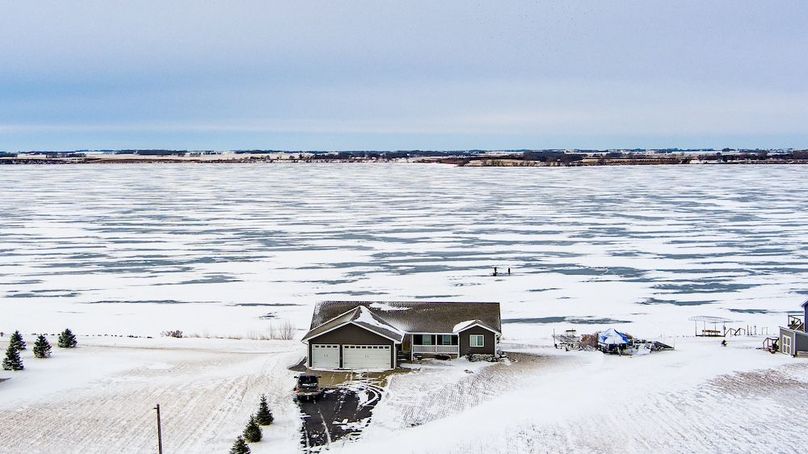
(446, 339)
(476, 340)
(426, 339)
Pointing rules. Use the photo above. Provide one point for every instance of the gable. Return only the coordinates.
(350, 334)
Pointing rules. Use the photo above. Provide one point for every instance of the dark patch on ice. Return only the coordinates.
(148, 302)
(707, 287)
(267, 316)
(649, 301)
(566, 319)
(751, 311)
(330, 282)
(212, 279)
(265, 304)
(353, 293)
(542, 289)
(23, 282)
(422, 297)
(44, 294)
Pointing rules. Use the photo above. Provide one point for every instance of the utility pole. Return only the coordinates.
(159, 431)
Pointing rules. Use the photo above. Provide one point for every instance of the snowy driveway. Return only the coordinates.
(340, 414)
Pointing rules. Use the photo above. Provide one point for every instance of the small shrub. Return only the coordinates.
(283, 330)
(172, 333)
(17, 341)
(239, 446)
(252, 433)
(67, 339)
(264, 416)
(42, 348)
(12, 361)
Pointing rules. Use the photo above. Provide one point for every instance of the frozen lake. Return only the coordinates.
(227, 249)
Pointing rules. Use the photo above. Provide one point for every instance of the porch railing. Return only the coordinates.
(448, 349)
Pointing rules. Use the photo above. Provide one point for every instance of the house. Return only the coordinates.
(794, 337)
(376, 335)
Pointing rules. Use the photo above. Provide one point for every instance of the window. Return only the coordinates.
(476, 340)
(446, 339)
(426, 339)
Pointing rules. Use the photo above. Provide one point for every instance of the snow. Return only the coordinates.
(663, 398)
(386, 307)
(366, 317)
(463, 325)
(99, 396)
(224, 251)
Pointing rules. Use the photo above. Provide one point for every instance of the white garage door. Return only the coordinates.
(366, 356)
(324, 356)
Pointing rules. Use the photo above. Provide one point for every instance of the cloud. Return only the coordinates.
(315, 73)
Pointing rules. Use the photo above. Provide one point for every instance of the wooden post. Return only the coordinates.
(159, 431)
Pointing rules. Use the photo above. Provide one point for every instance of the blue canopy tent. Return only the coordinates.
(612, 340)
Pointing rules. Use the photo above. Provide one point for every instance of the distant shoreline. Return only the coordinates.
(540, 158)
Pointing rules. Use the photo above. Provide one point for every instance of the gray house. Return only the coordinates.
(375, 335)
(794, 337)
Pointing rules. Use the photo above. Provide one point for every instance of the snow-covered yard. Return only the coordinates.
(99, 397)
(701, 397)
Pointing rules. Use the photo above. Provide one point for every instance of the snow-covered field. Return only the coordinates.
(227, 250)
(100, 396)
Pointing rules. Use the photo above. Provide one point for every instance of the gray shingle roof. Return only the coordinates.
(413, 316)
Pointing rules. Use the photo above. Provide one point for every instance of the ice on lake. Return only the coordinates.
(229, 248)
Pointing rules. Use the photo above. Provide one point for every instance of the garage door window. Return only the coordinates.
(476, 340)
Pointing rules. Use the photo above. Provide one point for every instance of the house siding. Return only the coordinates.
(489, 347)
(801, 341)
(352, 335)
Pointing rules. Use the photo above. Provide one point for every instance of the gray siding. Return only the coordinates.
(489, 347)
(352, 335)
(801, 341)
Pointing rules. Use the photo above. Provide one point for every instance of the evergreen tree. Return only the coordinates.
(42, 348)
(67, 339)
(12, 360)
(264, 416)
(17, 341)
(252, 433)
(239, 447)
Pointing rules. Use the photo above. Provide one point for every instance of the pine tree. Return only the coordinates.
(264, 416)
(42, 348)
(252, 433)
(17, 341)
(67, 339)
(12, 360)
(239, 447)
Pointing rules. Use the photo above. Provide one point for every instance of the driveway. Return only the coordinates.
(340, 413)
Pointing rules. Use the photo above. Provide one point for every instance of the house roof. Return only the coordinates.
(462, 326)
(359, 316)
(805, 303)
(415, 316)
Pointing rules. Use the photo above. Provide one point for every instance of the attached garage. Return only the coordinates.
(355, 340)
(324, 356)
(377, 357)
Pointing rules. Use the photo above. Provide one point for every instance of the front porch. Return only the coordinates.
(434, 344)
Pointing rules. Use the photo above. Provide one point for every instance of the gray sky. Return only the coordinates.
(402, 74)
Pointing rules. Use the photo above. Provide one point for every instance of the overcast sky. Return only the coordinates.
(402, 74)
